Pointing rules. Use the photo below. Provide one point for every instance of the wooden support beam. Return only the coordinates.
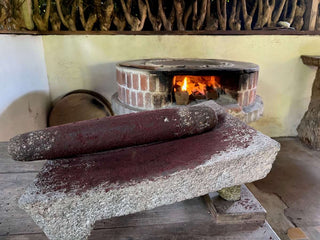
(310, 15)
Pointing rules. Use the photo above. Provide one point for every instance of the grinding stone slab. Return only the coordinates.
(69, 195)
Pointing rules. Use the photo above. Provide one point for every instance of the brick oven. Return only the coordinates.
(159, 83)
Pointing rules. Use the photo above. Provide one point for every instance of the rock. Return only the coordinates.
(283, 24)
(231, 193)
(309, 127)
(69, 195)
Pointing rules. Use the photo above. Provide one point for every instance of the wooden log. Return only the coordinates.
(111, 132)
(310, 15)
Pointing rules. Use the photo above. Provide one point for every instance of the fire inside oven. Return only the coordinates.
(188, 88)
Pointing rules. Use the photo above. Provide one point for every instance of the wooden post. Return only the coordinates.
(311, 15)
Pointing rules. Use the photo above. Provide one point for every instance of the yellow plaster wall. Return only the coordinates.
(75, 62)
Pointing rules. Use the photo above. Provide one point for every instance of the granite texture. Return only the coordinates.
(69, 195)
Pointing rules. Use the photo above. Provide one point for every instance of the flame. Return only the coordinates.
(195, 84)
(185, 84)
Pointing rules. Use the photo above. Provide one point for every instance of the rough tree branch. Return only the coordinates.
(135, 23)
(69, 21)
(87, 25)
(247, 17)
(167, 22)
(234, 21)
(265, 13)
(41, 22)
(179, 7)
(290, 18)
(212, 23)
(277, 13)
(222, 13)
(298, 19)
(155, 21)
(105, 14)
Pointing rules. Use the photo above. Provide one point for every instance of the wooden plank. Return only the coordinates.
(8, 165)
(193, 210)
(172, 232)
(191, 230)
(13, 219)
(204, 32)
(36, 236)
(310, 15)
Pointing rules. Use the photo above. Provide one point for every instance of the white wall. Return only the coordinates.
(284, 83)
(24, 86)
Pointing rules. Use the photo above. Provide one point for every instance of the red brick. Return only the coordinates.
(245, 98)
(129, 80)
(251, 80)
(123, 78)
(240, 99)
(252, 96)
(140, 100)
(144, 82)
(133, 98)
(244, 82)
(255, 82)
(147, 100)
(118, 73)
(135, 81)
(128, 96)
(152, 83)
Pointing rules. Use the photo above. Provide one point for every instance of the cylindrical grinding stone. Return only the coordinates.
(112, 132)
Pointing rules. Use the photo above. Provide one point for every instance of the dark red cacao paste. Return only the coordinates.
(97, 135)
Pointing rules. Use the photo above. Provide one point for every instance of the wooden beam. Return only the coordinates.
(310, 15)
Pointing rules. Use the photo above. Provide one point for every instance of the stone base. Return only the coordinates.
(246, 114)
(69, 195)
(309, 127)
(247, 209)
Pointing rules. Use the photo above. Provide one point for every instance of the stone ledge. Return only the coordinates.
(247, 114)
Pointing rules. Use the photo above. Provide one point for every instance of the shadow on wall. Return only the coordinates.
(27, 113)
(102, 79)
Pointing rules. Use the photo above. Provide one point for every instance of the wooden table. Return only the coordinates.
(189, 219)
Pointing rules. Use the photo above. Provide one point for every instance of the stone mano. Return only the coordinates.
(69, 195)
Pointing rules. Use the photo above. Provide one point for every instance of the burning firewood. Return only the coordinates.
(112, 132)
(212, 93)
(182, 97)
